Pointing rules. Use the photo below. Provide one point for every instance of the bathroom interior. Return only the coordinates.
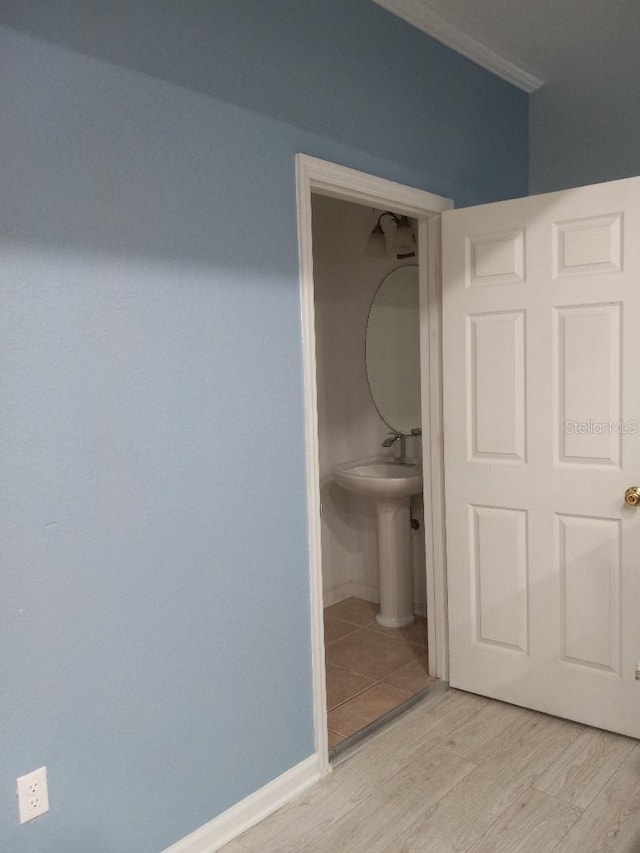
(373, 546)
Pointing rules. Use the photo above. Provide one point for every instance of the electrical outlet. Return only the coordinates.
(33, 797)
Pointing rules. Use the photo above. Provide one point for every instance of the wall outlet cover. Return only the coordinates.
(33, 796)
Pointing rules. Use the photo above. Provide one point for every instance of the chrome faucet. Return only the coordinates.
(391, 440)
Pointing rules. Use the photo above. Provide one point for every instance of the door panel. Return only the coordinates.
(499, 576)
(495, 385)
(541, 313)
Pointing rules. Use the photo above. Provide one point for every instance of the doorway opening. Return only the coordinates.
(368, 381)
(346, 595)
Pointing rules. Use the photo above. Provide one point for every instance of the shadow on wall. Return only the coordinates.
(290, 62)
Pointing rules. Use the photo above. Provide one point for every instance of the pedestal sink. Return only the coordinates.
(391, 485)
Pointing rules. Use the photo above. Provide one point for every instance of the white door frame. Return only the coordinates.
(314, 175)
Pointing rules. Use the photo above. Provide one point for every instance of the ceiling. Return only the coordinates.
(533, 42)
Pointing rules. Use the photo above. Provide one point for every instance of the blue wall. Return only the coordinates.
(586, 130)
(154, 617)
(585, 121)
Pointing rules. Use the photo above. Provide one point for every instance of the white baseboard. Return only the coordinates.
(245, 814)
(336, 594)
(350, 589)
(366, 592)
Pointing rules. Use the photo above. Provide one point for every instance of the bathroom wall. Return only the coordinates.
(349, 425)
(154, 610)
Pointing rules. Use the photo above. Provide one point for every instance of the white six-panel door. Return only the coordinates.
(541, 357)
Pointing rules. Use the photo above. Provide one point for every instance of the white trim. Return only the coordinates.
(314, 175)
(342, 182)
(429, 246)
(352, 589)
(336, 594)
(366, 592)
(420, 14)
(304, 178)
(254, 808)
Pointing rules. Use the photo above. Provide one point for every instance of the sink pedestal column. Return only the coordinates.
(394, 562)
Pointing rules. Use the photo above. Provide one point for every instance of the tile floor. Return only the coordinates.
(370, 669)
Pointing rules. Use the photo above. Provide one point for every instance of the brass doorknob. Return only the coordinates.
(632, 496)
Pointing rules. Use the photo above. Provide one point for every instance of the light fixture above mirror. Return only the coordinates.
(402, 242)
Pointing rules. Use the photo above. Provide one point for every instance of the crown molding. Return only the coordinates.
(420, 14)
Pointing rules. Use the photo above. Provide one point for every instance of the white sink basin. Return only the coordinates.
(379, 478)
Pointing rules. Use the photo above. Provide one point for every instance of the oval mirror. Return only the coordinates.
(393, 350)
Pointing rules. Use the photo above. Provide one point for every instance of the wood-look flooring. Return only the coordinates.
(459, 773)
